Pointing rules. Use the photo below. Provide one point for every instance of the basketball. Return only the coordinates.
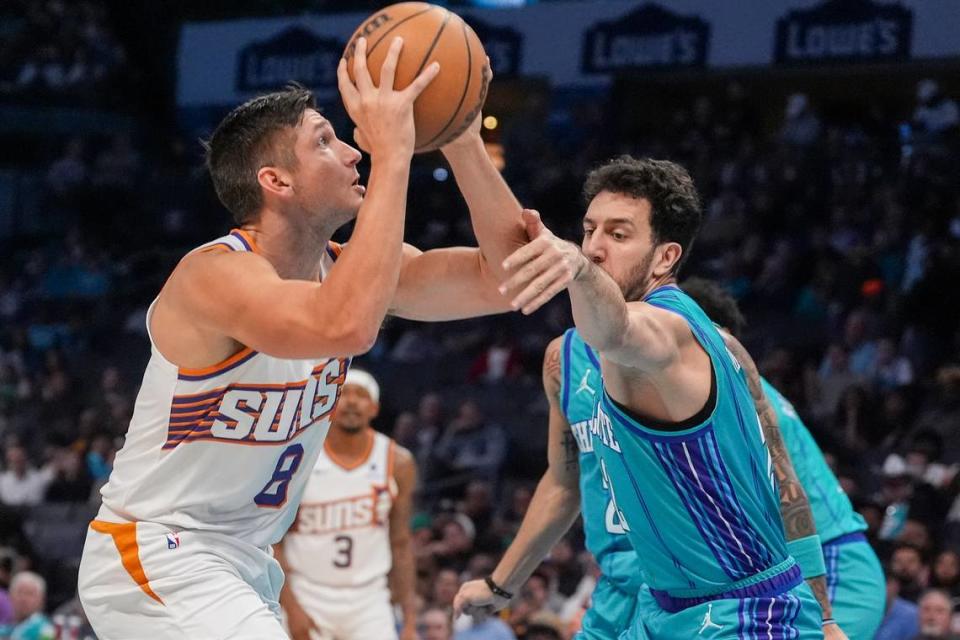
(454, 98)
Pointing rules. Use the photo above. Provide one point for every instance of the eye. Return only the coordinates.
(324, 141)
(619, 236)
(587, 232)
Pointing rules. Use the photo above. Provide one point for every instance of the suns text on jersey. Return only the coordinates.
(368, 510)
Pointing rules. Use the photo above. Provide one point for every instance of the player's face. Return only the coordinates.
(618, 238)
(325, 179)
(355, 410)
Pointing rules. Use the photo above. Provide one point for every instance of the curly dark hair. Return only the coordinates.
(251, 137)
(718, 303)
(675, 205)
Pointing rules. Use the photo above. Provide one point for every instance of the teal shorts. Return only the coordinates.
(855, 585)
(610, 613)
(793, 614)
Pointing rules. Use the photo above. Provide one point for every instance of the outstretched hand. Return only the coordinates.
(542, 268)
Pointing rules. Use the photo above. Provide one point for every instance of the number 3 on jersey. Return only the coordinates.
(274, 494)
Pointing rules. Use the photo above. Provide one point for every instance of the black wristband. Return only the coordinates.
(497, 591)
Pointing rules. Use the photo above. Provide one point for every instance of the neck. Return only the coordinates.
(347, 444)
(295, 249)
(656, 283)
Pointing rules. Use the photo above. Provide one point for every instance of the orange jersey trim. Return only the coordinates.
(248, 238)
(347, 466)
(220, 366)
(335, 248)
(125, 539)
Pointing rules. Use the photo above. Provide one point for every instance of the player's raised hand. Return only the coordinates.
(542, 268)
(383, 115)
(475, 596)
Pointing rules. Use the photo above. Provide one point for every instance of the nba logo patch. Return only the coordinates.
(173, 540)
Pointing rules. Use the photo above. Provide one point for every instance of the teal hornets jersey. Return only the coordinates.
(832, 512)
(580, 389)
(699, 500)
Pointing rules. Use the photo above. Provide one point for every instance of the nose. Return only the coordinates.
(352, 156)
(593, 248)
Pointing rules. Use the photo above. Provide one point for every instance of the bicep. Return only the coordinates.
(651, 340)
(446, 284)
(241, 296)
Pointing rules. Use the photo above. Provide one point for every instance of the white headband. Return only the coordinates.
(365, 380)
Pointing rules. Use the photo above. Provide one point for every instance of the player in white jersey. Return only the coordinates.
(349, 549)
(251, 338)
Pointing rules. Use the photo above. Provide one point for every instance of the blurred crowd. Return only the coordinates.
(839, 236)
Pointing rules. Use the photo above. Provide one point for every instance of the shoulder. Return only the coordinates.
(404, 464)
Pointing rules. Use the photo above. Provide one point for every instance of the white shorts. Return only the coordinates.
(347, 613)
(143, 581)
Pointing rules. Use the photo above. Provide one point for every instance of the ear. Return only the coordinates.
(667, 256)
(274, 180)
(375, 410)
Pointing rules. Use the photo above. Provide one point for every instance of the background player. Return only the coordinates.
(353, 530)
(249, 348)
(855, 582)
(571, 485)
(676, 406)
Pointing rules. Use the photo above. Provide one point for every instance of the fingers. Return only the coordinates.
(533, 223)
(544, 287)
(527, 272)
(422, 81)
(523, 255)
(348, 91)
(361, 74)
(458, 602)
(388, 70)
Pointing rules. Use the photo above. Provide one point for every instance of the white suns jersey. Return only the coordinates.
(341, 536)
(228, 448)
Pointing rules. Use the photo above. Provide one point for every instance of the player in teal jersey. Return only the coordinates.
(677, 431)
(855, 582)
(571, 485)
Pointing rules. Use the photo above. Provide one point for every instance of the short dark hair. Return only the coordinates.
(246, 140)
(675, 205)
(718, 303)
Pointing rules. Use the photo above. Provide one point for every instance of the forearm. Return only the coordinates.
(599, 309)
(403, 580)
(552, 511)
(494, 211)
(374, 254)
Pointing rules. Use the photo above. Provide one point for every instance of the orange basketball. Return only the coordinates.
(454, 98)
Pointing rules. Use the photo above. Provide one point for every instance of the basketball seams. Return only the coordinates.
(466, 87)
(433, 45)
(388, 31)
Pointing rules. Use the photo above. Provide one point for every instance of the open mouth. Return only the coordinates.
(359, 187)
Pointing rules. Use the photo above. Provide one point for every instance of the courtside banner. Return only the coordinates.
(579, 44)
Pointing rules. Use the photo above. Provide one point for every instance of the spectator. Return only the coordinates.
(935, 614)
(28, 592)
(71, 482)
(498, 362)
(901, 620)
(890, 369)
(472, 445)
(946, 573)
(435, 624)
(69, 171)
(20, 484)
(478, 506)
(445, 587)
(100, 458)
(908, 567)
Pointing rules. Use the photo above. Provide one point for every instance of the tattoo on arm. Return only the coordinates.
(819, 587)
(794, 506)
(571, 451)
